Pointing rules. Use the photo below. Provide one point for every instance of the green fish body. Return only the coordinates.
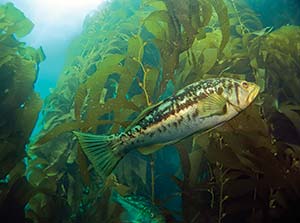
(199, 107)
(138, 209)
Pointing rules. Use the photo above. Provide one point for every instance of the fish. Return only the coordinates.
(197, 108)
(138, 209)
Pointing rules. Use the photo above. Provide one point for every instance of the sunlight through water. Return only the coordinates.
(56, 23)
(55, 20)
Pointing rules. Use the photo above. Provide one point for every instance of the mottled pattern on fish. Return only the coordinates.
(198, 107)
(177, 116)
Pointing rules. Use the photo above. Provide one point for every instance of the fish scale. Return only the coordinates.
(199, 107)
(176, 112)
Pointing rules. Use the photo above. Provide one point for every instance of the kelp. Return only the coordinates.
(239, 180)
(128, 58)
(251, 162)
(13, 22)
(19, 107)
(132, 60)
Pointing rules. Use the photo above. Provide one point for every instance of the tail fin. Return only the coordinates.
(100, 150)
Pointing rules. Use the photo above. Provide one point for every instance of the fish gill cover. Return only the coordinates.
(134, 53)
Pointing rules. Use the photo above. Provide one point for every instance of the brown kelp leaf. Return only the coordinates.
(56, 131)
(8, 181)
(8, 157)
(133, 171)
(184, 69)
(67, 127)
(83, 166)
(44, 207)
(107, 67)
(248, 121)
(139, 101)
(206, 11)
(199, 59)
(221, 10)
(185, 161)
(279, 52)
(293, 113)
(224, 155)
(151, 80)
(15, 21)
(71, 191)
(157, 23)
(159, 5)
(195, 161)
(35, 175)
(127, 75)
(135, 48)
(241, 143)
(79, 100)
(132, 66)
(210, 56)
(274, 171)
(28, 114)
(239, 187)
(241, 205)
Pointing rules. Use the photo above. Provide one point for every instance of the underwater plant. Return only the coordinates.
(131, 55)
(19, 107)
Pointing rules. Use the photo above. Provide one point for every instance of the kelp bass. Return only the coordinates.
(199, 107)
(138, 209)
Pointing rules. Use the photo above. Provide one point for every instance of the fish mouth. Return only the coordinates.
(253, 93)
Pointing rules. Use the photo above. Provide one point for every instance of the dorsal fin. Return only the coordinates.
(143, 114)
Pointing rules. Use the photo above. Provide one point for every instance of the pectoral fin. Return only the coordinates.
(214, 104)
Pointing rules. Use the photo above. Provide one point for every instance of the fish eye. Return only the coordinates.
(245, 84)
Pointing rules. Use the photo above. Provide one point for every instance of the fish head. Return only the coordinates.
(240, 93)
(154, 215)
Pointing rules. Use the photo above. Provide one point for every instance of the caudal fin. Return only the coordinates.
(101, 151)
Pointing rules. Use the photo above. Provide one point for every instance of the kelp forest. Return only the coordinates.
(129, 56)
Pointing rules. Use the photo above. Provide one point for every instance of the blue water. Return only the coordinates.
(53, 30)
(55, 38)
